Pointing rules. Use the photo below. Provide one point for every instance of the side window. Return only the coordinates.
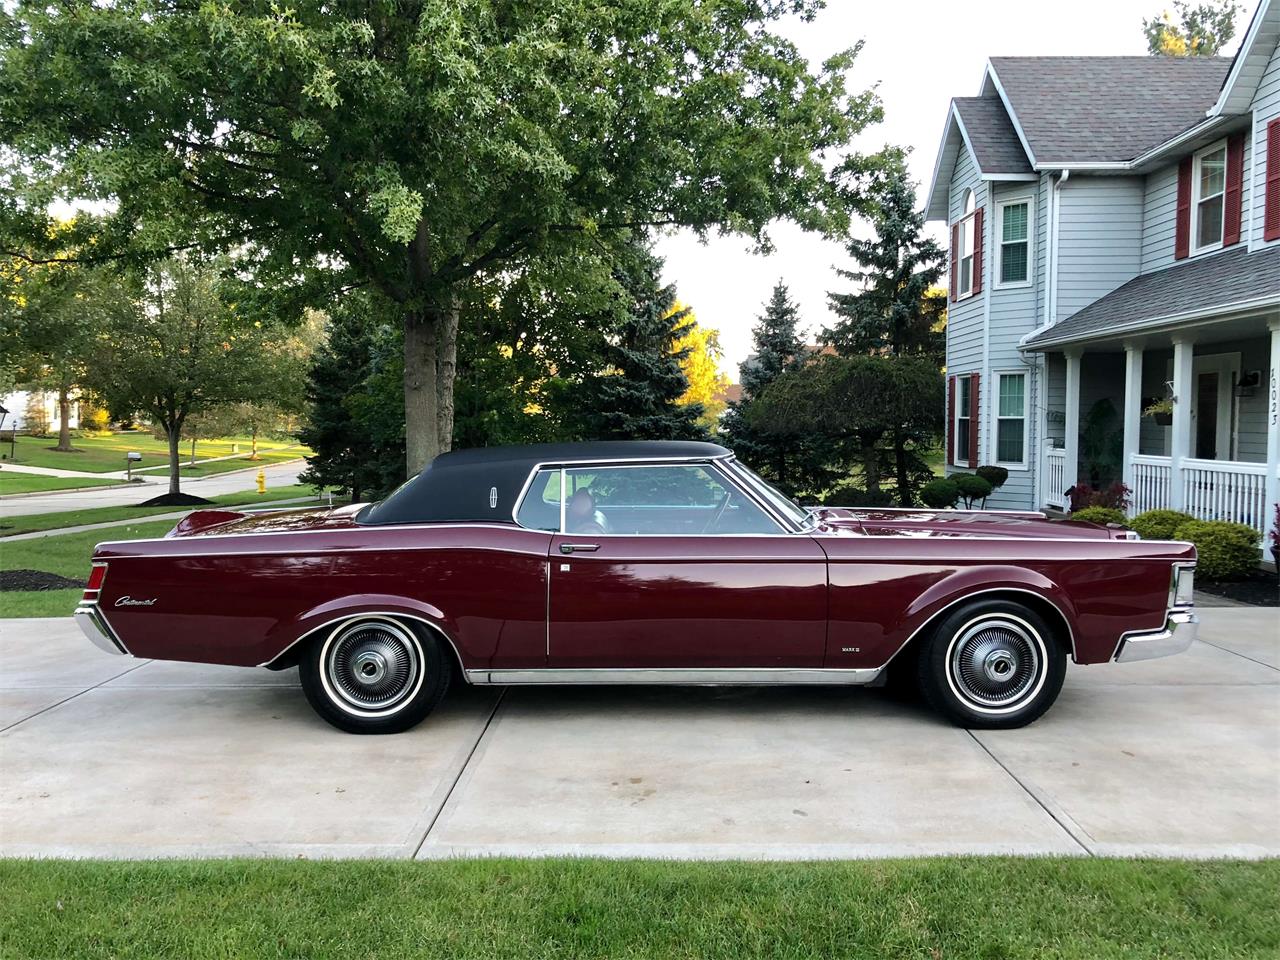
(670, 499)
(540, 508)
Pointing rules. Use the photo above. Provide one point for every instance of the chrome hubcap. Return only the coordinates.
(372, 667)
(996, 662)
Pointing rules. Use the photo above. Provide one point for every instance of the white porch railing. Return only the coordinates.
(1151, 484)
(1055, 477)
(1211, 489)
(1226, 490)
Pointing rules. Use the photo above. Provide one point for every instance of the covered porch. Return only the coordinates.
(1187, 419)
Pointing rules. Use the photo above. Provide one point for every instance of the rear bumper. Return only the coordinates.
(94, 626)
(1178, 633)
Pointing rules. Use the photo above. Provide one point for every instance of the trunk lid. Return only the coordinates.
(880, 522)
(224, 522)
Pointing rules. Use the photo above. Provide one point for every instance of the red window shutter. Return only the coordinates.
(951, 419)
(977, 251)
(1234, 192)
(973, 420)
(1271, 210)
(955, 259)
(1182, 235)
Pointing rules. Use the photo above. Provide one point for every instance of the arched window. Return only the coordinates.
(970, 202)
(966, 242)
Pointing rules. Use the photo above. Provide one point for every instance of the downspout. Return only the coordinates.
(1051, 295)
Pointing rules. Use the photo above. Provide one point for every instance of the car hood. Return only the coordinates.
(961, 523)
(202, 523)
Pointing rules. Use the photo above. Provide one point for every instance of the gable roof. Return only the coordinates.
(1222, 283)
(1080, 111)
(1251, 60)
(990, 135)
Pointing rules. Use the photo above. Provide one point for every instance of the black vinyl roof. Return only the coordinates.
(483, 483)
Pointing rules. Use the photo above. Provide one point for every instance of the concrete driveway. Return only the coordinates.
(103, 756)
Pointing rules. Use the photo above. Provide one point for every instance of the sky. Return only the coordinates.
(920, 53)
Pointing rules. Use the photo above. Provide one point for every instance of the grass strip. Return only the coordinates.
(929, 908)
(12, 482)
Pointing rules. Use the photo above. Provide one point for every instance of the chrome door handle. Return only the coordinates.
(579, 547)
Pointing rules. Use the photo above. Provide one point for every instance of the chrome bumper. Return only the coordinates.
(1178, 634)
(95, 627)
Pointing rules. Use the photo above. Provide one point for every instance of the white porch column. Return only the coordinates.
(1071, 429)
(1180, 445)
(1132, 409)
(1273, 432)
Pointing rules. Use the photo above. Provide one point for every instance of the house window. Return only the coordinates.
(964, 404)
(968, 243)
(1011, 419)
(1209, 187)
(1015, 242)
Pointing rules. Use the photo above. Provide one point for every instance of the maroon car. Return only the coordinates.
(637, 562)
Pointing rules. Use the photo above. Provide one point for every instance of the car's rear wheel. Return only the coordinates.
(374, 674)
(992, 664)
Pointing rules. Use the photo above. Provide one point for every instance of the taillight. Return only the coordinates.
(97, 574)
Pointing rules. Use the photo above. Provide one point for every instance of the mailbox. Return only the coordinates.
(133, 455)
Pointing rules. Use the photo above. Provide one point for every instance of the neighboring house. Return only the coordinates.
(1115, 242)
(19, 404)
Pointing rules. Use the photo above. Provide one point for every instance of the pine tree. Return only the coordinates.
(636, 397)
(797, 466)
(897, 312)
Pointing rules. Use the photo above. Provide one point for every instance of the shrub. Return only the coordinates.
(1100, 515)
(1275, 539)
(996, 476)
(940, 493)
(1115, 496)
(851, 495)
(1159, 524)
(972, 487)
(93, 419)
(1224, 551)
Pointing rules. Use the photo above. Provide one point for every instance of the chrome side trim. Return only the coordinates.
(393, 614)
(1176, 636)
(95, 627)
(683, 676)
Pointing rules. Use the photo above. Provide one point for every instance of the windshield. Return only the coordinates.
(783, 504)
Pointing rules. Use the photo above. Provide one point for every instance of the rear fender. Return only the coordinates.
(283, 643)
(972, 583)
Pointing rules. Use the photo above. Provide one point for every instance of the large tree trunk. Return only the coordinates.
(64, 415)
(174, 433)
(430, 365)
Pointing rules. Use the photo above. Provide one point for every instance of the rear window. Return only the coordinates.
(540, 508)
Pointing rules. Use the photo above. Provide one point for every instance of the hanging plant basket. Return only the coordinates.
(1163, 419)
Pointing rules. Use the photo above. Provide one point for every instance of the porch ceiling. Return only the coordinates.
(1209, 290)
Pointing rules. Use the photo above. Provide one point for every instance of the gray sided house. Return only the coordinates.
(1115, 277)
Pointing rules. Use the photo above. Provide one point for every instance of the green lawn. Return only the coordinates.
(104, 454)
(11, 483)
(932, 909)
(11, 526)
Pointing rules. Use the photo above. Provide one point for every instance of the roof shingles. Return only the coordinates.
(995, 143)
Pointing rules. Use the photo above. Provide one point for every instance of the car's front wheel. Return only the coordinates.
(992, 664)
(374, 674)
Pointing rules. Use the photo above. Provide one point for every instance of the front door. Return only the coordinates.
(672, 565)
(1213, 406)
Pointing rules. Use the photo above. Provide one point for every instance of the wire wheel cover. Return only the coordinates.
(372, 666)
(995, 662)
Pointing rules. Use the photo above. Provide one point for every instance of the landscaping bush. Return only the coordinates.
(940, 493)
(1159, 524)
(1100, 515)
(1225, 551)
(996, 476)
(1114, 496)
(972, 488)
(851, 495)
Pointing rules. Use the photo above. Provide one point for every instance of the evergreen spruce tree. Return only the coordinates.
(894, 314)
(798, 466)
(635, 398)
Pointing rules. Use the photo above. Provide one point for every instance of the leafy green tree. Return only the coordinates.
(1200, 30)
(356, 436)
(410, 148)
(637, 394)
(897, 310)
(174, 346)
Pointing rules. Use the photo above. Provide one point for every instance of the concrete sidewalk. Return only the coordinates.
(106, 756)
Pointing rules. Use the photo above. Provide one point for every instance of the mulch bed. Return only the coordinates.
(1260, 590)
(36, 580)
(175, 500)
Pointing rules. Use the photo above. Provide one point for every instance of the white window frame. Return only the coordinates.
(1196, 198)
(998, 239)
(1022, 464)
(966, 224)
(956, 417)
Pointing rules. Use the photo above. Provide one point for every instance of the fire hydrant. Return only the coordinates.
(262, 480)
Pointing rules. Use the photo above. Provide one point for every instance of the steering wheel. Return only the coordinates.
(715, 519)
